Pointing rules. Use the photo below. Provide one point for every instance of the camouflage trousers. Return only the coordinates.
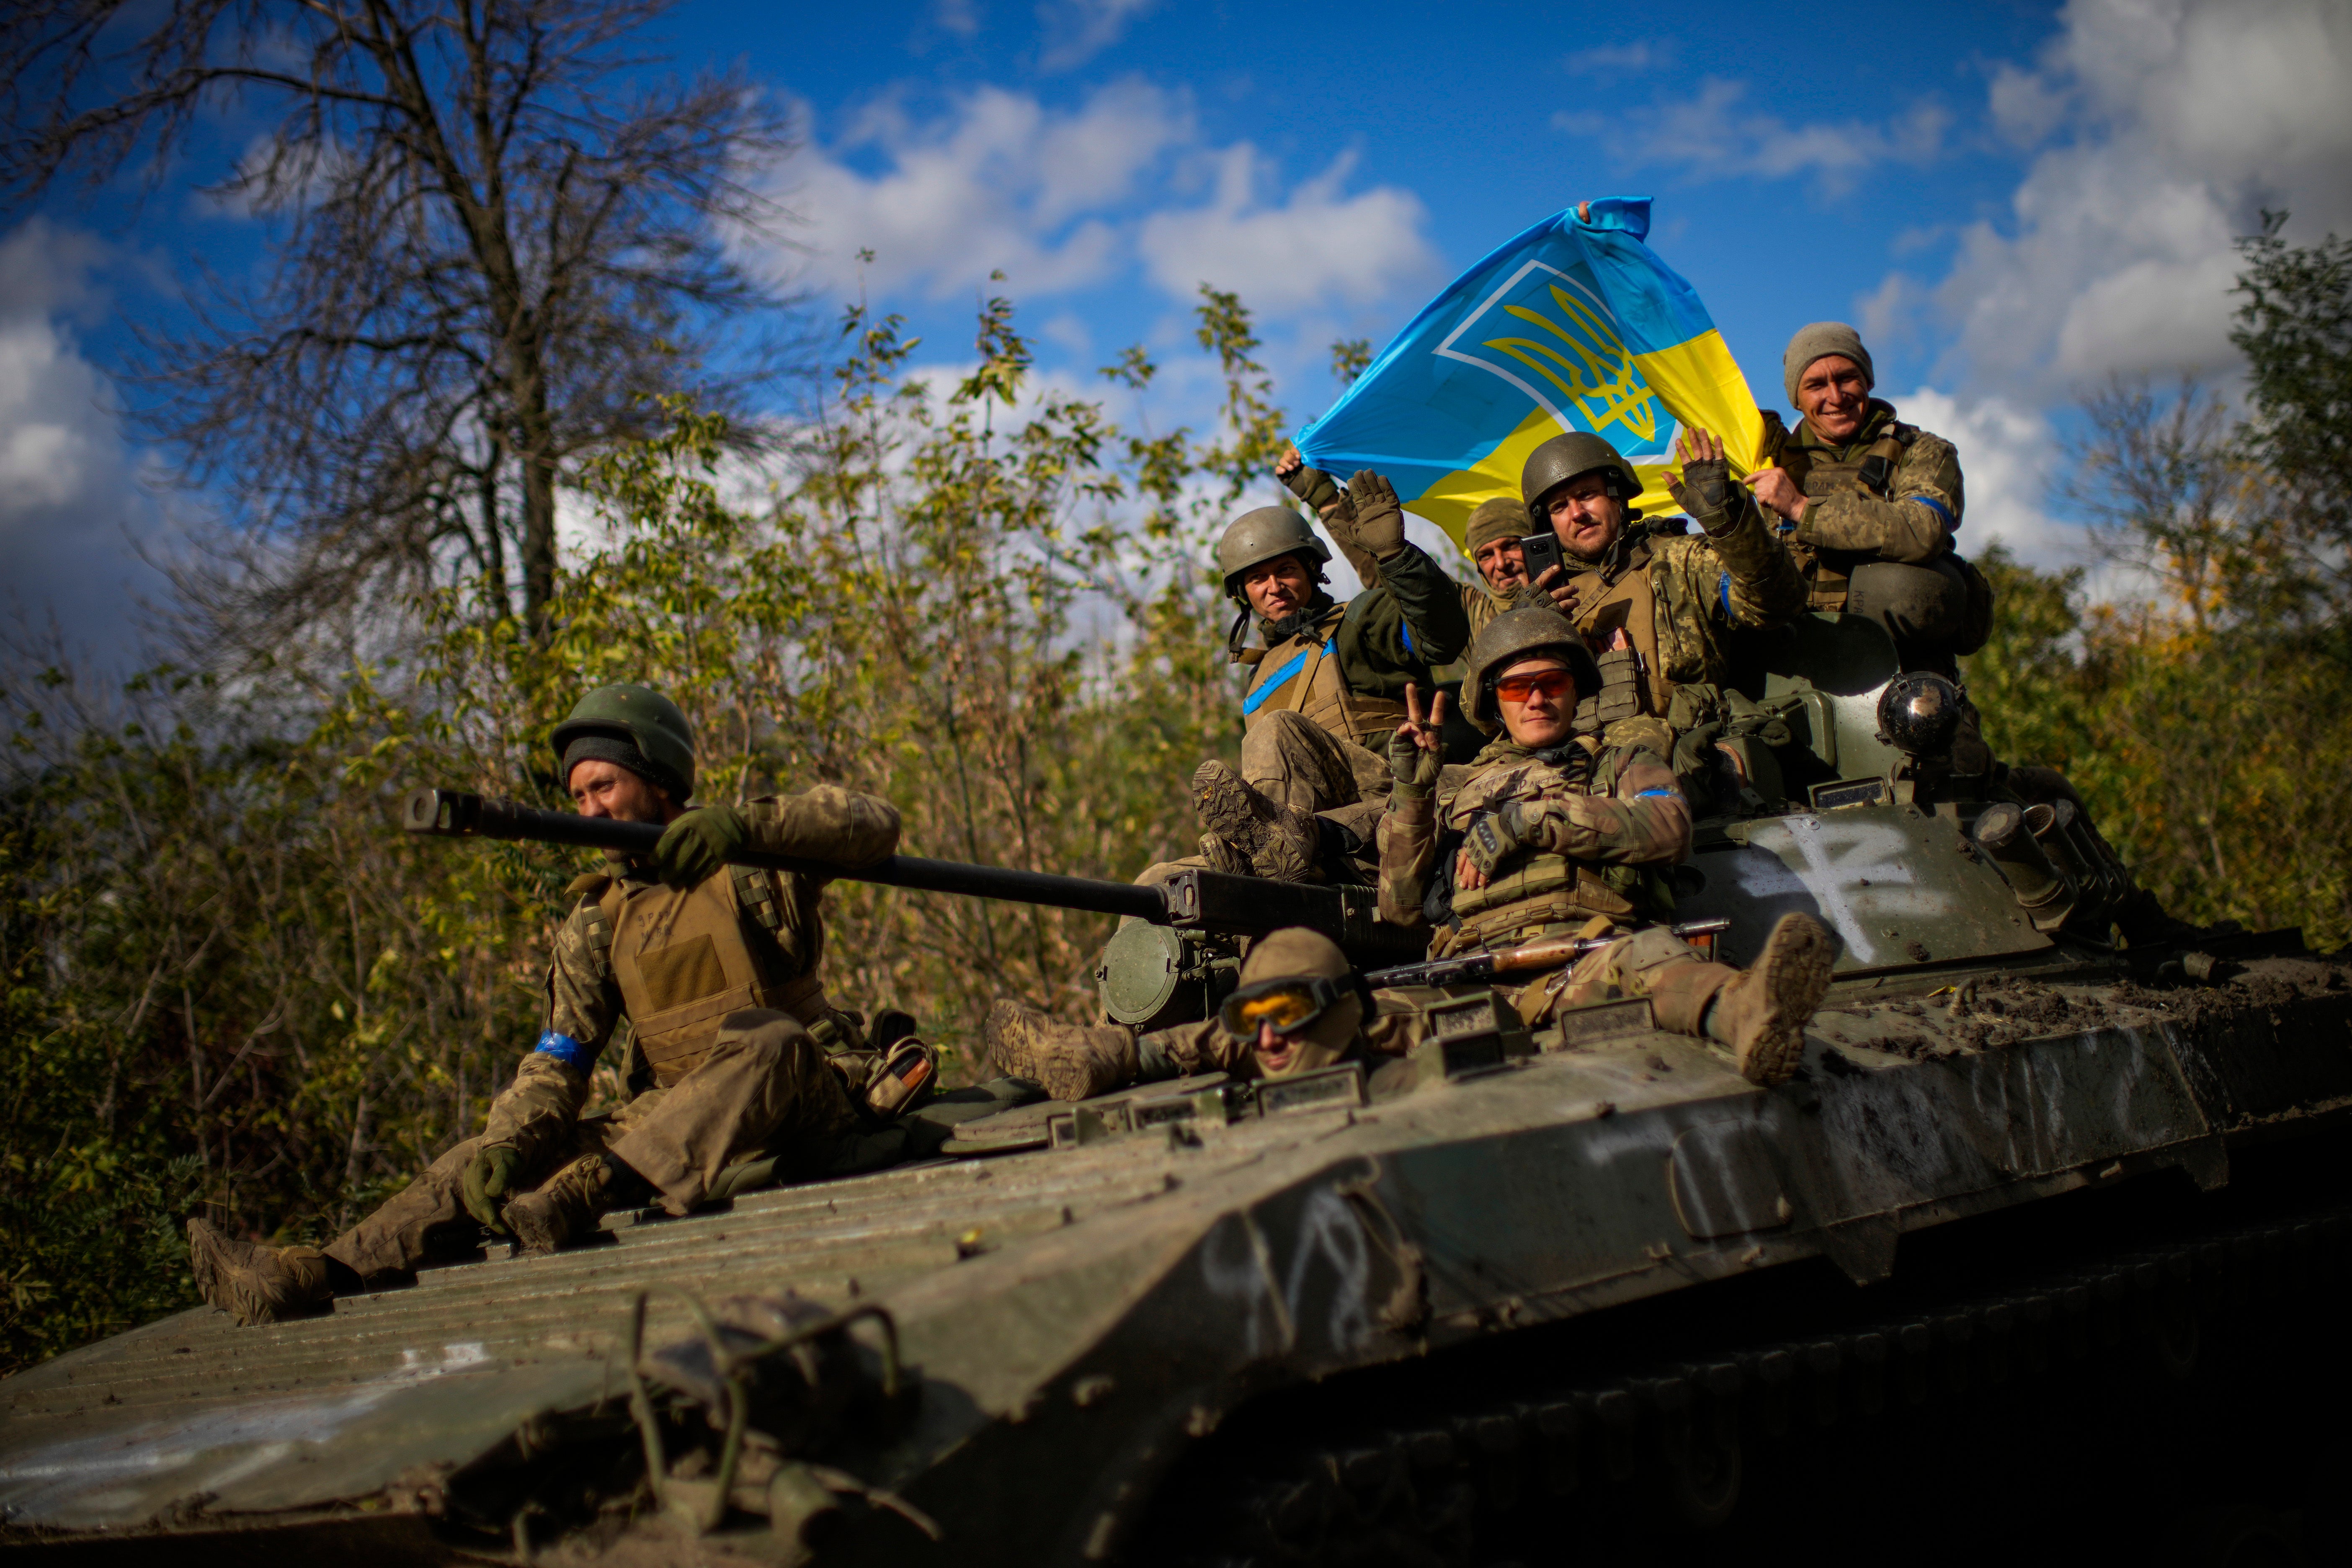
(764, 1089)
(1295, 762)
(1653, 963)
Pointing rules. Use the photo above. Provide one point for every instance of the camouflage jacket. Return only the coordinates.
(1410, 618)
(829, 824)
(1601, 824)
(1481, 604)
(1890, 493)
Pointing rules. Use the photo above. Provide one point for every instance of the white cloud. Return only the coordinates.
(1066, 200)
(1608, 60)
(2176, 122)
(1314, 244)
(71, 506)
(2008, 453)
(1077, 30)
(1714, 134)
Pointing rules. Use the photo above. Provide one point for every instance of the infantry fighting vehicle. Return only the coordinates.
(2041, 1254)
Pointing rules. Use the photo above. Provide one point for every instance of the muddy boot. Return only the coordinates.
(1276, 841)
(569, 1202)
(257, 1284)
(1762, 1013)
(1068, 1062)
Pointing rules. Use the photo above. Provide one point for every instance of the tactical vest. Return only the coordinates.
(1623, 594)
(684, 959)
(1302, 675)
(1826, 570)
(1543, 889)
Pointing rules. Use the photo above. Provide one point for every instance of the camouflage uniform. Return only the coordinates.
(1606, 823)
(731, 1031)
(1679, 598)
(1400, 1021)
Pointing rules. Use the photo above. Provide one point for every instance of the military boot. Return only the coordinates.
(257, 1284)
(1277, 840)
(1761, 1013)
(569, 1204)
(1068, 1062)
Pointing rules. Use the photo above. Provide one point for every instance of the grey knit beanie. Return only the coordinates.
(1822, 338)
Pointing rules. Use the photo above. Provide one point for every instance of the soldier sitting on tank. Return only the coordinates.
(1868, 505)
(735, 1051)
(1552, 834)
(1491, 539)
(1327, 680)
(1660, 609)
(1297, 1007)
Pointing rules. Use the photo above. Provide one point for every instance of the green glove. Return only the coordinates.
(1703, 488)
(1380, 516)
(486, 1180)
(1495, 838)
(1413, 769)
(1312, 486)
(693, 847)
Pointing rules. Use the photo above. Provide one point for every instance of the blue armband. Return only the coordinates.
(565, 1049)
(1939, 508)
(1657, 794)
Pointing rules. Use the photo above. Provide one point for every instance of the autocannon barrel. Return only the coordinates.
(1193, 899)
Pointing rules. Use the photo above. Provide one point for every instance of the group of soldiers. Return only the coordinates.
(1605, 689)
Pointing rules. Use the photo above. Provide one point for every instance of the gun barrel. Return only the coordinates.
(456, 813)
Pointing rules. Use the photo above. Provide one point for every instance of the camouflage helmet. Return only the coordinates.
(631, 718)
(1511, 636)
(1259, 536)
(1571, 457)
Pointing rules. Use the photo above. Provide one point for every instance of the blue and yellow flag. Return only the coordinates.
(1574, 325)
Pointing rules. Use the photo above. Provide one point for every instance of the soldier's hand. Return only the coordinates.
(1380, 516)
(1313, 486)
(1776, 493)
(1291, 462)
(1704, 486)
(487, 1181)
(1417, 750)
(1557, 586)
(693, 847)
(1494, 838)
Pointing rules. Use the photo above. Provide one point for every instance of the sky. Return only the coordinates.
(2013, 201)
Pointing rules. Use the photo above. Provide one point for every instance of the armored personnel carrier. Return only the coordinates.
(2041, 1253)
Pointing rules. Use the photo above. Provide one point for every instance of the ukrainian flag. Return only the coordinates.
(1574, 325)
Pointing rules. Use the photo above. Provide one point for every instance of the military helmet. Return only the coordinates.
(649, 722)
(1259, 536)
(1571, 457)
(1522, 634)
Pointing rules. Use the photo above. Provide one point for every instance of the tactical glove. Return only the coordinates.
(488, 1180)
(1312, 486)
(695, 845)
(1704, 489)
(1495, 838)
(1380, 516)
(1415, 769)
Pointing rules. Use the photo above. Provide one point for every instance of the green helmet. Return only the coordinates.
(1511, 636)
(1571, 457)
(632, 719)
(1259, 536)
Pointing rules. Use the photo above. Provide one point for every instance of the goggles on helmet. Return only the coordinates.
(1289, 1005)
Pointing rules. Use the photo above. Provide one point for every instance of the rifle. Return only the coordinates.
(1194, 901)
(1557, 953)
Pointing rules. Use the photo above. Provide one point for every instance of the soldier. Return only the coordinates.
(1299, 1007)
(1491, 539)
(715, 967)
(1868, 505)
(1552, 834)
(1661, 609)
(1327, 681)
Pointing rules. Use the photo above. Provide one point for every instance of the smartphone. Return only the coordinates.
(1542, 550)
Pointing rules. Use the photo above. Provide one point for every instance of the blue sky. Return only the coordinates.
(2013, 201)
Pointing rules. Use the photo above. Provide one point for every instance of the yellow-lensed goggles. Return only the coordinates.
(1289, 1005)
